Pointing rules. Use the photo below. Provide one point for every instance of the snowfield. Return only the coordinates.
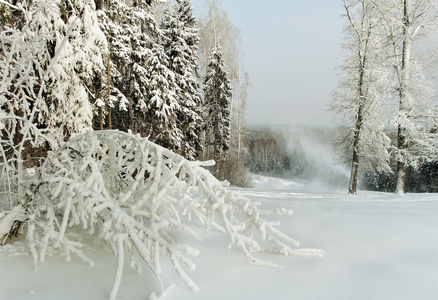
(377, 246)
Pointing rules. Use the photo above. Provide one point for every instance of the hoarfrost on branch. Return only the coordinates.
(134, 194)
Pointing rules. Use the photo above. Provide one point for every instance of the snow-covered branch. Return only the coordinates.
(19, 8)
(134, 194)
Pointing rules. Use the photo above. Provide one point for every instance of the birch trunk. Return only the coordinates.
(403, 109)
(363, 36)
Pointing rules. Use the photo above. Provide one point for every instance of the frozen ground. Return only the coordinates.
(377, 246)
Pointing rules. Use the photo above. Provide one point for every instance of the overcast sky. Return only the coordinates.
(291, 52)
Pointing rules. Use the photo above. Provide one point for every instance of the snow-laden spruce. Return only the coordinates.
(180, 30)
(134, 195)
(217, 94)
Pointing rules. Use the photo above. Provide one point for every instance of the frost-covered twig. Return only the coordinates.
(19, 8)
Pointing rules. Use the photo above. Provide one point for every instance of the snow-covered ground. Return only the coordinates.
(377, 246)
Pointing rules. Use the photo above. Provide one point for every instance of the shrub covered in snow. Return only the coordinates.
(134, 195)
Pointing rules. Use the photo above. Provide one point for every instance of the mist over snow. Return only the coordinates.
(321, 163)
(312, 158)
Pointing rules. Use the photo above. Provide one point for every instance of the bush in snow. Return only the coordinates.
(134, 194)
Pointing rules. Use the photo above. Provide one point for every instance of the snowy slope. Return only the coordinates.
(377, 246)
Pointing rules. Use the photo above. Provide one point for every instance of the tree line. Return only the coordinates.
(313, 154)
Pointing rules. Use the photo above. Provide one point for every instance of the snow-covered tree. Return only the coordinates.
(216, 28)
(22, 52)
(406, 23)
(141, 92)
(237, 170)
(34, 69)
(217, 94)
(162, 104)
(72, 84)
(181, 46)
(135, 196)
(131, 31)
(363, 92)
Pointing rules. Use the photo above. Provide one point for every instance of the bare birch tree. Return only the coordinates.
(360, 99)
(407, 23)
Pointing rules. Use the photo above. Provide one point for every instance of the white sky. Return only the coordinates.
(291, 51)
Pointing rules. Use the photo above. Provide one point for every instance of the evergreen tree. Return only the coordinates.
(215, 29)
(161, 103)
(131, 31)
(72, 84)
(217, 93)
(141, 92)
(181, 46)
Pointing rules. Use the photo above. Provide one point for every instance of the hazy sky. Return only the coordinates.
(291, 52)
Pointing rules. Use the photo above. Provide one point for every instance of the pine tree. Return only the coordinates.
(131, 31)
(141, 92)
(72, 84)
(162, 102)
(217, 93)
(181, 46)
(218, 29)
